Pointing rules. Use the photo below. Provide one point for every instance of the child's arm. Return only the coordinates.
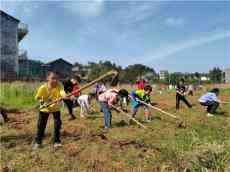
(112, 100)
(147, 99)
(179, 91)
(215, 98)
(40, 94)
(134, 95)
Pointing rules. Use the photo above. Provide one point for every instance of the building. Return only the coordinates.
(163, 75)
(61, 67)
(204, 78)
(12, 31)
(30, 69)
(227, 75)
(80, 71)
(149, 76)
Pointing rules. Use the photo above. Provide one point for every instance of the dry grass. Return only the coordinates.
(203, 145)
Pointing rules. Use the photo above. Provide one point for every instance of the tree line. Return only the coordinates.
(134, 72)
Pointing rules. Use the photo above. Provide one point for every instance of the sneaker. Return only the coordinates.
(57, 145)
(147, 120)
(36, 146)
(209, 115)
(82, 116)
(106, 129)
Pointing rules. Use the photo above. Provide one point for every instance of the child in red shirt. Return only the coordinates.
(76, 88)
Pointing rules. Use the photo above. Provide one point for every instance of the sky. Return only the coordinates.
(179, 36)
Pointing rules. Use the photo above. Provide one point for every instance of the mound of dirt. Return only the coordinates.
(75, 131)
(72, 149)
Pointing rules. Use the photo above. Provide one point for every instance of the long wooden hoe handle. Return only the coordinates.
(156, 108)
(112, 72)
(130, 117)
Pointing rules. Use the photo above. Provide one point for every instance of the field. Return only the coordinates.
(203, 144)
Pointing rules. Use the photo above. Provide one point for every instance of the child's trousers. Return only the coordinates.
(69, 104)
(85, 107)
(211, 106)
(107, 114)
(41, 126)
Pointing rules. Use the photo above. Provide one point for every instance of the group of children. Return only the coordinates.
(106, 98)
(76, 98)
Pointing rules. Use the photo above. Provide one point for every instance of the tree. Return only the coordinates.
(136, 71)
(216, 75)
(174, 77)
(98, 69)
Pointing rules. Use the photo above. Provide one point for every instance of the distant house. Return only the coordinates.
(204, 78)
(163, 75)
(80, 71)
(227, 75)
(12, 32)
(30, 69)
(149, 76)
(61, 67)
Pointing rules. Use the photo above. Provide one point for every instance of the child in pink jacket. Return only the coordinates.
(107, 99)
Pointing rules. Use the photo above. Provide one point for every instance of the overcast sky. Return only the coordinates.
(174, 35)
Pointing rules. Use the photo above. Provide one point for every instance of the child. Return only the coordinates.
(140, 84)
(180, 94)
(124, 99)
(106, 100)
(49, 92)
(84, 102)
(76, 93)
(68, 88)
(98, 89)
(210, 100)
(144, 95)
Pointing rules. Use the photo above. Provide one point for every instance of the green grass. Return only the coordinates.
(204, 145)
(18, 94)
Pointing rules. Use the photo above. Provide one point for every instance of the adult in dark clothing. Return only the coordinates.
(68, 88)
(180, 94)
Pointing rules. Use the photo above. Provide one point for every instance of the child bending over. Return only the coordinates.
(143, 95)
(84, 101)
(107, 99)
(211, 101)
